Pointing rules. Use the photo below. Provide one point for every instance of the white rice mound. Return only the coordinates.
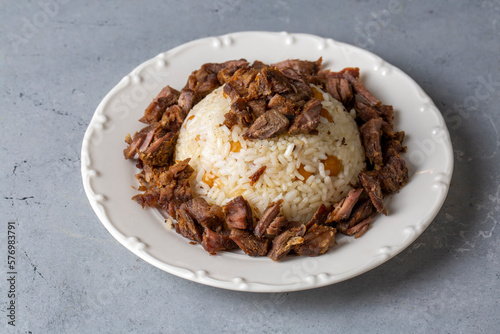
(207, 142)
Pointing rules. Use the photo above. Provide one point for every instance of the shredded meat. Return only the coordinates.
(343, 209)
(239, 114)
(394, 175)
(267, 218)
(257, 107)
(172, 118)
(363, 94)
(208, 216)
(319, 216)
(340, 89)
(256, 176)
(276, 226)
(141, 141)
(371, 132)
(372, 187)
(268, 125)
(285, 242)
(160, 152)
(362, 211)
(318, 240)
(238, 213)
(266, 101)
(259, 92)
(359, 229)
(304, 67)
(240, 83)
(249, 243)
(186, 226)
(308, 120)
(283, 105)
(214, 242)
(167, 97)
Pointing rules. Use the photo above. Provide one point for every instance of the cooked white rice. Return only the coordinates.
(222, 172)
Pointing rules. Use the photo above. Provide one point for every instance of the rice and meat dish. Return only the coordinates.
(273, 159)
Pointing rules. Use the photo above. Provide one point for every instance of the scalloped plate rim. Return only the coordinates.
(236, 282)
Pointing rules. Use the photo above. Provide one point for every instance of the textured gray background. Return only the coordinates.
(58, 63)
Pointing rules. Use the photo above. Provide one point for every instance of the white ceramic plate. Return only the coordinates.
(108, 178)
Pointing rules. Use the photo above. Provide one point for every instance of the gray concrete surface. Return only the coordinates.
(59, 60)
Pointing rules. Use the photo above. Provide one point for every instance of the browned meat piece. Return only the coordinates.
(283, 105)
(186, 226)
(276, 226)
(394, 145)
(258, 107)
(361, 212)
(166, 194)
(148, 199)
(258, 65)
(230, 119)
(344, 208)
(155, 111)
(160, 152)
(268, 125)
(208, 216)
(394, 175)
(225, 74)
(216, 67)
(269, 81)
(182, 191)
(165, 186)
(318, 240)
(304, 67)
(364, 111)
(217, 241)
(340, 89)
(168, 186)
(230, 90)
(362, 94)
(359, 229)
(302, 91)
(308, 119)
(204, 81)
(276, 80)
(319, 216)
(172, 118)
(372, 134)
(181, 170)
(285, 242)
(168, 93)
(141, 141)
(268, 216)
(256, 176)
(292, 74)
(240, 82)
(249, 243)
(167, 97)
(235, 63)
(387, 130)
(374, 191)
(386, 113)
(133, 146)
(209, 84)
(239, 113)
(228, 68)
(186, 100)
(238, 214)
